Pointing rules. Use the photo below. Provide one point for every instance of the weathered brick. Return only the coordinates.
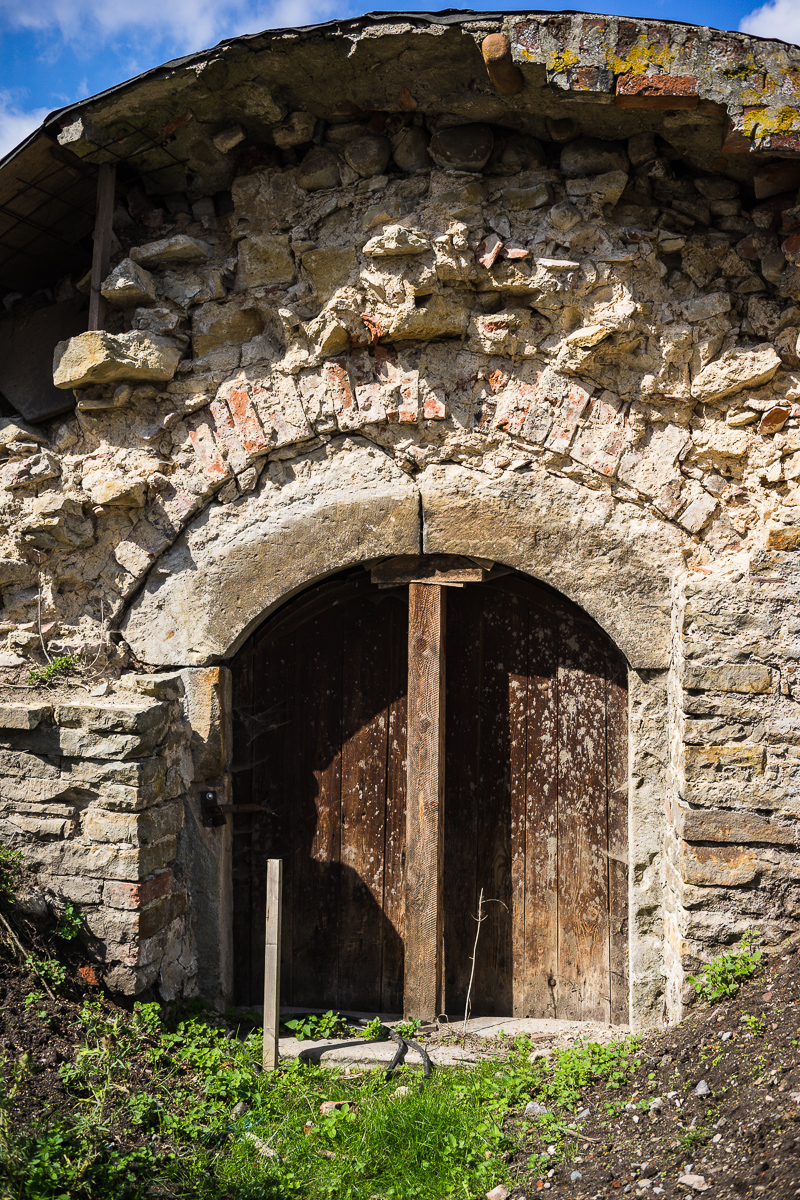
(209, 459)
(732, 678)
(117, 894)
(664, 92)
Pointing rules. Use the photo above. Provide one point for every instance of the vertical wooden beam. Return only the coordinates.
(103, 233)
(425, 802)
(272, 963)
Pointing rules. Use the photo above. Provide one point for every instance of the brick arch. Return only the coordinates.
(349, 503)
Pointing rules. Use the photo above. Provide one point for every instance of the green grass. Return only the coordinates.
(151, 1114)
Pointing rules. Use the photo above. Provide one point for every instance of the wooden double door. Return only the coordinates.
(535, 802)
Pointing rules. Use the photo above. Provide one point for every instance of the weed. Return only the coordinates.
(754, 1024)
(373, 1031)
(330, 1024)
(10, 866)
(69, 923)
(48, 969)
(61, 665)
(723, 976)
(409, 1028)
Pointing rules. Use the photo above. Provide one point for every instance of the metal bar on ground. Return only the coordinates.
(272, 963)
(103, 233)
(422, 996)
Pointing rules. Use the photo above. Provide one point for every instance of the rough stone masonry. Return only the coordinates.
(523, 288)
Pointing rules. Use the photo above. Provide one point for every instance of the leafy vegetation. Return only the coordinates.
(61, 665)
(10, 867)
(207, 1123)
(329, 1024)
(69, 922)
(723, 977)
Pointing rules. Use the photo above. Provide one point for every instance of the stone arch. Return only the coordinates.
(348, 503)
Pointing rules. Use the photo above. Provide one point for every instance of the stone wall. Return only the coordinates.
(560, 331)
(103, 796)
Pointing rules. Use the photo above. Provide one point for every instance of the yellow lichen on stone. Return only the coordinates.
(642, 55)
(766, 121)
(559, 62)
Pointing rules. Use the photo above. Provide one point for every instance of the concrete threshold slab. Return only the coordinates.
(358, 1052)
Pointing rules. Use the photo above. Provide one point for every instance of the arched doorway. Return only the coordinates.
(535, 813)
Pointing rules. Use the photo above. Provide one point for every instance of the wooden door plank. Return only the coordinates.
(394, 901)
(103, 234)
(364, 747)
(425, 801)
(242, 864)
(493, 986)
(518, 721)
(272, 964)
(462, 747)
(617, 784)
(583, 982)
(316, 804)
(272, 728)
(541, 858)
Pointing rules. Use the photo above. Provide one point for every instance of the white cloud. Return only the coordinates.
(777, 19)
(16, 123)
(186, 25)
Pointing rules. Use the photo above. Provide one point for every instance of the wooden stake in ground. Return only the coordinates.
(103, 234)
(272, 963)
(425, 804)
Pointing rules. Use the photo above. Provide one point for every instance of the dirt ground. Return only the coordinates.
(740, 1137)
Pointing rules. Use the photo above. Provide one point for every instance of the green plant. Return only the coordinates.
(48, 969)
(10, 866)
(69, 923)
(723, 976)
(373, 1031)
(312, 1027)
(62, 664)
(409, 1028)
(754, 1024)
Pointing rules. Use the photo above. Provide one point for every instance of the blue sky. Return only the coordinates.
(54, 52)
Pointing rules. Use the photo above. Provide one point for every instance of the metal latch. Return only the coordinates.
(212, 813)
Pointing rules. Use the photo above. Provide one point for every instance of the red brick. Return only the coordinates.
(90, 976)
(589, 79)
(780, 141)
(339, 382)
(657, 91)
(627, 33)
(137, 895)
(526, 33)
(201, 435)
(246, 421)
(791, 248)
(592, 27)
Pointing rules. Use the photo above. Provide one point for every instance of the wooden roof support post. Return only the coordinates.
(103, 234)
(425, 805)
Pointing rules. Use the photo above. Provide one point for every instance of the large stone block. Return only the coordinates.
(702, 761)
(216, 325)
(264, 259)
(719, 825)
(137, 895)
(207, 707)
(734, 371)
(725, 866)
(159, 821)
(744, 678)
(99, 861)
(128, 285)
(99, 357)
